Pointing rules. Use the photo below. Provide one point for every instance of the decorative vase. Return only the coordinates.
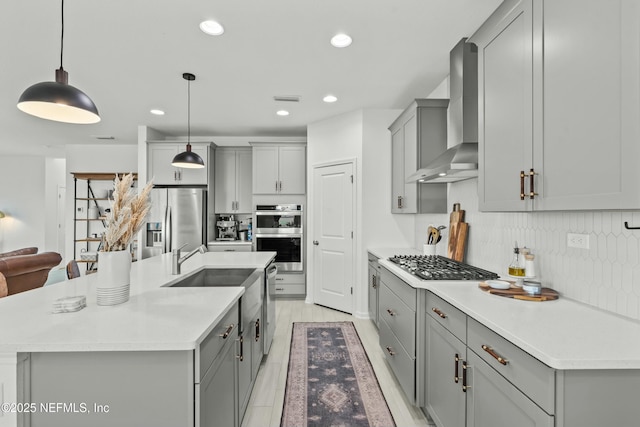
(114, 270)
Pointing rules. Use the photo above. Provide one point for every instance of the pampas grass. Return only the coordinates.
(128, 213)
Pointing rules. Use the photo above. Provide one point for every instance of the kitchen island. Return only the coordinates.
(152, 342)
(498, 361)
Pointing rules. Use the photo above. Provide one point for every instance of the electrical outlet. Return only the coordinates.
(580, 241)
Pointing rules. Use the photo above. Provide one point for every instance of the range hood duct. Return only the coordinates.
(459, 162)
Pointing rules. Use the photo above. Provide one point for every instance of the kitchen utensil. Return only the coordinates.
(430, 235)
(458, 230)
(436, 235)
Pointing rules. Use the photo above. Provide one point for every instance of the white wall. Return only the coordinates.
(361, 136)
(93, 158)
(22, 199)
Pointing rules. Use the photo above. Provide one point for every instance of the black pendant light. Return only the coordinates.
(59, 101)
(188, 159)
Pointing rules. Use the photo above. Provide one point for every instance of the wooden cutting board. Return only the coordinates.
(458, 230)
(546, 294)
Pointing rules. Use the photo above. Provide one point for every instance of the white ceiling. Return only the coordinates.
(129, 56)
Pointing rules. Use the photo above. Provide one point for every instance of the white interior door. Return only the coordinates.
(334, 272)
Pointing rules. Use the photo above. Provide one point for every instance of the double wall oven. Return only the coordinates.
(279, 228)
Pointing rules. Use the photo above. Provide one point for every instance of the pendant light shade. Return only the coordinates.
(59, 101)
(188, 159)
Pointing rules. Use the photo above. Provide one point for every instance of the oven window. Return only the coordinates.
(279, 221)
(287, 248)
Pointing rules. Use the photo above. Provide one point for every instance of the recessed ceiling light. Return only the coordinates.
(329, 98)
(212, 28)
(282, 113)
(442, 174)
(341, 40)
(157, 112)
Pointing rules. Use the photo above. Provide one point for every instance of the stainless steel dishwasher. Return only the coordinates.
(269, 305)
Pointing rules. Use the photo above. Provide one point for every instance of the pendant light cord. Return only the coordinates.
(188, 112)
(62, 34)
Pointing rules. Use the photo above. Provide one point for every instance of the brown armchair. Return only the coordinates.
(25, 269)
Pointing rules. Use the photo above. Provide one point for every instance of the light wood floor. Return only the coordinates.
(265, 405)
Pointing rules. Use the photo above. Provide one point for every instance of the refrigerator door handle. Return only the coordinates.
(164, 230)
(169, 229)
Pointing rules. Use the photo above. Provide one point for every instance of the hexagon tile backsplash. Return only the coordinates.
(607, 275)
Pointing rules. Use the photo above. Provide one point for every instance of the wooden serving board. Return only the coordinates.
(515, 292)
(458, 230)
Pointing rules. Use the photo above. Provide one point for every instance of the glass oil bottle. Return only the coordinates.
(516, 267)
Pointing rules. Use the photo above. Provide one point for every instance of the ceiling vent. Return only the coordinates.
(290, 98)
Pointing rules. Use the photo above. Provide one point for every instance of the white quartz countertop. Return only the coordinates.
(563, 334)
(156, 317)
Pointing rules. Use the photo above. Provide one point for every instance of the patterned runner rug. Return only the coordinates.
(330, 381)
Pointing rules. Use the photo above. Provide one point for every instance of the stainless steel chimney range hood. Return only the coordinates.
(459, 162)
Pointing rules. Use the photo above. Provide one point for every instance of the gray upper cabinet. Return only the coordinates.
(559, 106)
(161, 154)
(418, 136)
(505, 105)
(279, 169)
(233, 181)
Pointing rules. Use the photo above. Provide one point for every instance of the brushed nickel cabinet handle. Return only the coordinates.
(439, 313)
(226, 333)
(456, 375)
(495, 355)
(373, 281)
(390, 351)
(522, 185)
(257, 330)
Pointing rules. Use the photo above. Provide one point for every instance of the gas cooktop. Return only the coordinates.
(436, 267)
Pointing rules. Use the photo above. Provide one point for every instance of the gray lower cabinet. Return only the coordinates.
(397, 324)
(444, 394)
(476, 378)
(249, 348)
(217, 390)
(373, 283)
(494, 401)
(207, 387)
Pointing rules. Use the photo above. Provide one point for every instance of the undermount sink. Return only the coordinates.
(219, 277)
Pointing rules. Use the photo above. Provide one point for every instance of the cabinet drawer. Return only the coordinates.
(229, 247)
(532, 377)
(225, 331)
(400, 318)
(404, 291)
(448, 316)
(291, 289)
(402, 364)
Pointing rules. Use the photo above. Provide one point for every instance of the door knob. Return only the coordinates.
(315, 242)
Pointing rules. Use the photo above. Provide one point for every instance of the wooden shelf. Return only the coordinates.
(86, 261)
(89, 239)
(98, 176)
(92, 198)
(102, 218)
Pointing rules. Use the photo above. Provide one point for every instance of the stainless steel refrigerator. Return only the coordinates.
(177, 217)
